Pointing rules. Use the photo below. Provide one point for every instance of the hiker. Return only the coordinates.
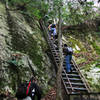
(52, 31)
(49, 28)
(29, 91)
(35, 91)
(68, 51)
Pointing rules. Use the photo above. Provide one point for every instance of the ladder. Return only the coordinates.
(74, 82)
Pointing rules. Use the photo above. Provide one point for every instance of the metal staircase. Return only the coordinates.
(74, 82)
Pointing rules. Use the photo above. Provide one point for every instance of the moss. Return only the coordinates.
(96, 47)
(95, 87)
(98, 66)
(81, 60)
(87, 67)
(73, 42)
(25, 42)
(2, 8)
(2, 83)
(28, 46)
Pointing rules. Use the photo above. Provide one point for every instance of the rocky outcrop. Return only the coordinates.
(21, 40)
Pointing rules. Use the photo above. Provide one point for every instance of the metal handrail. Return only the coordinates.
(83, 78)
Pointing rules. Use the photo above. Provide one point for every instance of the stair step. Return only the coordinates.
(72, 69)
(55, 50)
(52, 49)
(71, 79)
(54, 53)
(57, 61)
(64, 63)
(56, 58)
(74, 72)
(75, 79)
(73, 75)
(78, 84)
(79, 89)
(71, 66)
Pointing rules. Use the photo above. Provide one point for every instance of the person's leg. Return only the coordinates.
(68, 63)
(49, 33)
(51, 36)
(54, 33)
(70, 58)
(68, 67)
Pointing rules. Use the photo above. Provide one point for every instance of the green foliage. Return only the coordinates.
(54, 9)
(18, 2)
(95, 86)
(96, 47)
(98, 66)
(34, 8)
(37, 9)
(73, 13)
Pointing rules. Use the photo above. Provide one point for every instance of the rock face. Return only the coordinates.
(19, 40)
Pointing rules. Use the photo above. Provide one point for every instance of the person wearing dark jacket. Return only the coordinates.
(29, 91)
(35, 91)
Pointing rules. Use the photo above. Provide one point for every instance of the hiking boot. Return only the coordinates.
(69, 72)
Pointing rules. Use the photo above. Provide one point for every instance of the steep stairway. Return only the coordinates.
(74, 82)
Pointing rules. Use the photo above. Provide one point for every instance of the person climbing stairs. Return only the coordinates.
(73, 82)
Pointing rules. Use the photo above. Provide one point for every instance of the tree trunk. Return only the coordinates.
(6, 3)
(59, 93)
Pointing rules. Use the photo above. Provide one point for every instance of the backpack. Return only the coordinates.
(35, 92)
(23, 90)
(69, 50)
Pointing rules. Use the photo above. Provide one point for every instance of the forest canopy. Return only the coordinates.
(73, 11)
